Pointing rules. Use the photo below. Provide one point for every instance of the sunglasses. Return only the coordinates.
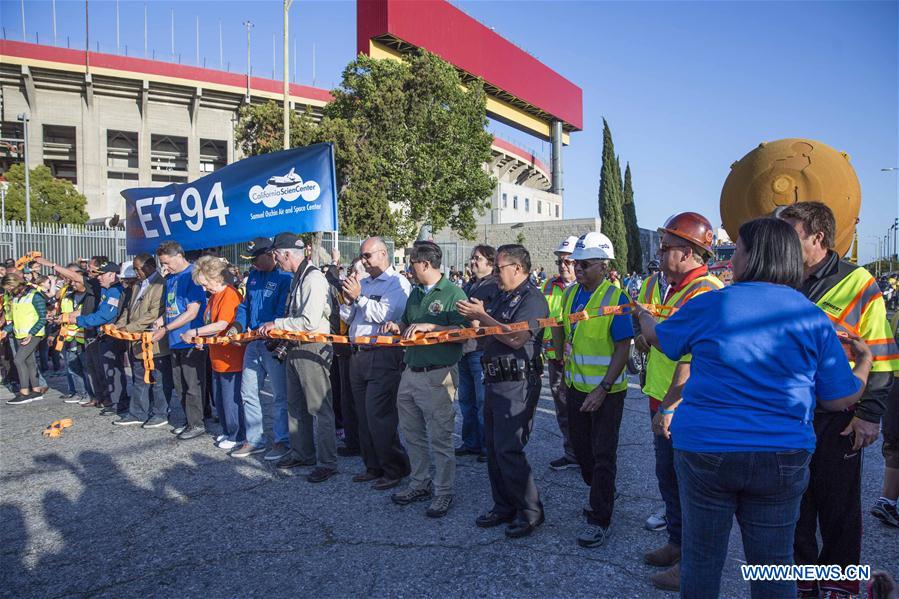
(585, 264)
(499, 267)
(567, 261)
(368, 255)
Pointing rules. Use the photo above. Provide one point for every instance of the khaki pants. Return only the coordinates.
(426, 413)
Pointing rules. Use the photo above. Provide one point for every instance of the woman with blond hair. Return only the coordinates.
(28, 316)
(214, 275)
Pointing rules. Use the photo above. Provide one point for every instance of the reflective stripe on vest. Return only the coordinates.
(855, 305)
(66, 305)
(649, 291)
(553, 294)
(25, 316)
(660, 369)
(590, 340)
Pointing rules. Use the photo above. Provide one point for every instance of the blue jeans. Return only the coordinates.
(763, 489)
(226, 391)
(74, 370)
(667, 479)
(471, 401)
(258, 363)
(155, 401)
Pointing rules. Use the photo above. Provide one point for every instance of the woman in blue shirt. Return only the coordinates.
(743, 436)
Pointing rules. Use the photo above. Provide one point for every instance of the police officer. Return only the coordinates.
(512, 373)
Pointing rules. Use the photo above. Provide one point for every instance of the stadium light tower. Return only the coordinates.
(287, 4)
(248, 25)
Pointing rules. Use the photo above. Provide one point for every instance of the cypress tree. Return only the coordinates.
(610, 201)
(634, 251)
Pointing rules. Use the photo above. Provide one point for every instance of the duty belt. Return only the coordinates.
(498, 370)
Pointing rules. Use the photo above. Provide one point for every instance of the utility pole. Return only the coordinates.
(87, 39)
(287, 4)
(248, 25)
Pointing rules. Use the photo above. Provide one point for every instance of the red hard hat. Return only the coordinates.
(692, 227)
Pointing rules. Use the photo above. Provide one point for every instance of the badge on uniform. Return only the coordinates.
(435, 308)
(515, 301)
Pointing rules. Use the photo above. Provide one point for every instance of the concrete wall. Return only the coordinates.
(540, 237)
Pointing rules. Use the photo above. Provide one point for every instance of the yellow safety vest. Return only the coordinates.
(553, 293)
(24, 316)
(660, 369)
(590, 342)
(66, 305)
(856, 305)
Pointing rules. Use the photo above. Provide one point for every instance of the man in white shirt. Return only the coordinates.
(375, 370)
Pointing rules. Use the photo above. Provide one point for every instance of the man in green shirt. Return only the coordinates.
(428, 385)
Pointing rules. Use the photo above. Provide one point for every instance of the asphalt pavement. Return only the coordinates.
(105, 511)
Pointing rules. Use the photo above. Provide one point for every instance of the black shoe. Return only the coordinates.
(347, 452)
(491, 519)
(384, 483)
(563, 463)
(155, 423)
(460, 451)
(108, 410)
(520, 529)
(191, 432)
(482, 459)
(128, 420)
(289, 462)
(321, 474)
(23, 399)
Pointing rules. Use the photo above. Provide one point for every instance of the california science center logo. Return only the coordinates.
(287, 188)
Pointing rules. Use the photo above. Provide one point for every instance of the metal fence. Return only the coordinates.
(65, 243)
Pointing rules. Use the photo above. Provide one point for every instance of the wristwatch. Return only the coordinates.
(606, 385)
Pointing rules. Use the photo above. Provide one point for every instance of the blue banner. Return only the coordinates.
(260, 196)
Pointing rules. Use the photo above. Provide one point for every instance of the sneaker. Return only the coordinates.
(220, 438)
(592, 536)
(657, 521)
(155, 423)
(278, 451)
(440, 505)
(227, 444)
(127, 420)
(84, 400)
(23, 399)
(411, 495)
(178, 429)
(246, 450)
(563, 463)
(191, 432)
(885, 512)
(320, 474)
(72, 398)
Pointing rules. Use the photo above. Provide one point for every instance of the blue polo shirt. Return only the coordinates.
(762, 354)
(266, 298)
(180, 290)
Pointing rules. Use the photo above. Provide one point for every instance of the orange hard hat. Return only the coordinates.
(692, 227)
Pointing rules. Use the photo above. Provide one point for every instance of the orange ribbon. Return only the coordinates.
(435, 337)
(146, 346)
(24, 260)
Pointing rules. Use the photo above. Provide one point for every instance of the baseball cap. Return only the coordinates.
(257, 247)
(286, 241)
(108, 267)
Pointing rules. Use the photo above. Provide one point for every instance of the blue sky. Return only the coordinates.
(687, 87)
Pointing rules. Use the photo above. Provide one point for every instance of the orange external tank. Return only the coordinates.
(786, 171)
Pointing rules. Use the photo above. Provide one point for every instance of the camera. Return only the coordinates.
(278, 348)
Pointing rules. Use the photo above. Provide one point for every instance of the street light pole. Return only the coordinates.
(248, 25)
(24, 118)
(287, 4)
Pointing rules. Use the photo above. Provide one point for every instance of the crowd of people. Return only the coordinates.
(762, 394)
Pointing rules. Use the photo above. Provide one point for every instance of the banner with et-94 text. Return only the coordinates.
(261, 196)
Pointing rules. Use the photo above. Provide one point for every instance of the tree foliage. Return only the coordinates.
(610, 201)
(52, 200)
(409, 141)
(634, 250)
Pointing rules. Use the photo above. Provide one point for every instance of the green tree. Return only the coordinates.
(634, 250)
(610, 201)
(409, 144)
(52, 200)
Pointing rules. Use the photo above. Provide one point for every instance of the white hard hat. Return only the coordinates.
(127, 271)
(567, 245)
(593, 245)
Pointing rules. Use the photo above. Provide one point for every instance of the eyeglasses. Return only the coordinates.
(566, 261)
(368, 255)
(664, 248)
(498, 267)
(585, 264)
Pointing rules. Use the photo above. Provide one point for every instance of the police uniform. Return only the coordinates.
(513, 380)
